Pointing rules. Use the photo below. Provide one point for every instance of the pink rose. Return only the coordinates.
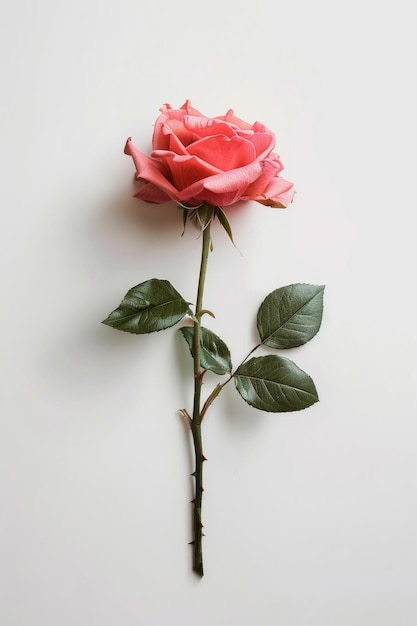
(218, 160)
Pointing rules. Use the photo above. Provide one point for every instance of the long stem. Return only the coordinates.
(196, 420)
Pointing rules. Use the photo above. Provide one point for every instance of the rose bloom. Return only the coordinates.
(220, 160)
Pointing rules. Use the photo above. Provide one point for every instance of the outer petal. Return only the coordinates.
(222, 189)
(264, 143)
(184, 170)
(148, 170)
(216, 199)
(152, 193)
(278, 194)
(269, 171)
(283, 200)
(235, 179)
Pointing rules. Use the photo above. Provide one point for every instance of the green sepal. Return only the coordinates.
(185, 215)
(290, 316)
(276, 384)
(149, 307)
(221, 216)
(201, 215)
(204, 215)
(214, 354)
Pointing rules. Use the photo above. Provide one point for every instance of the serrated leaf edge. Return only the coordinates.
(263, 341)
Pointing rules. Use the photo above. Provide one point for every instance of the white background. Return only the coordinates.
(310, 517)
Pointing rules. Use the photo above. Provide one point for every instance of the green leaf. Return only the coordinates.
(149, 307)
(276, 384)
(214, 354)
(290, 316)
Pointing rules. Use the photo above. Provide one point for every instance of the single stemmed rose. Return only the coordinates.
(205, 164)
(218, 161)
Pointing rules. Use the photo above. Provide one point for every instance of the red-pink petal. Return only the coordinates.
(148, 169)
(264, 143)
(216, 199)
(279, 193)
(223, 152)
(258, 127)
(269, 170)
(204, 126)
(190, 110)
(231, 118)
(168, 118)
(184, 170)
(176, 145)
(175, 128)
(222, 189)
(284, 199)
(152, 193)
(239, 178)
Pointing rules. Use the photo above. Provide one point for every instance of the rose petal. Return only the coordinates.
(166, 136)
(184, 169)
(148, 169)
(264, 143)
(190, 110)
(279, 193)
(258, 127)
(203, 126)
(175, 144)
(165, 108)
(223, 152)
(165, 126)
(239, 178)
(152, 193)
(231, 118)
(216, 199)
(269, 171)
(222, 189)
(178, 134)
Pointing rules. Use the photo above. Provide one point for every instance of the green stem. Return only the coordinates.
(198, 412)
(196, 420)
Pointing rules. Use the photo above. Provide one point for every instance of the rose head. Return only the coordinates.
(220, 160)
